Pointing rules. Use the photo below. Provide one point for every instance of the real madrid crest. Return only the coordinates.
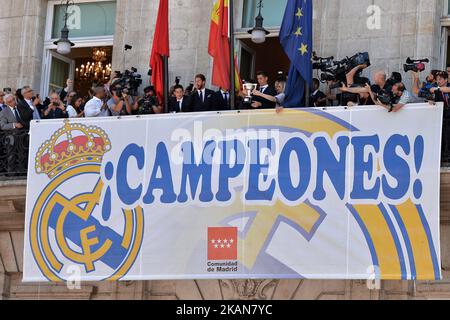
(82, 230)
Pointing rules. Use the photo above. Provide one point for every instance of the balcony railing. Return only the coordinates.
(14, 146)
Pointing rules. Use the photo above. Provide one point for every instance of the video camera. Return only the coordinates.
(417, 65)
(129, 81)
(337, 70)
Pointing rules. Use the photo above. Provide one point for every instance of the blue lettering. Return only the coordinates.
(397, 167)
(361, 167)
(300, 148)
(126, 194)
(165, 183)
(194, 172)
(256, 170)
(327, 163)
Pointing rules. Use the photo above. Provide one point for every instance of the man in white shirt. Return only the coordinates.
(96, 107)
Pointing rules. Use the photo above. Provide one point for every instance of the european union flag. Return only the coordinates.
(296, 37)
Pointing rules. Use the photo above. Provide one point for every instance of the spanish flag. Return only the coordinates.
(219, 47)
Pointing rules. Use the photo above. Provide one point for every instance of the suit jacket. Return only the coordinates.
(206, 105)
(220, 103)
(56, 114)
(266, 104)
(7, 119)
(174, 106)
(26, 113)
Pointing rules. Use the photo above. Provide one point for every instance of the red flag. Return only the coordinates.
(160, 48)
(219, 47)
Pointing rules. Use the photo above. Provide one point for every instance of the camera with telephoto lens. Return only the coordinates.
(417, 65)
(338, 70)
(129, 81)
(146, 104)
(384, 97)
(425, 93)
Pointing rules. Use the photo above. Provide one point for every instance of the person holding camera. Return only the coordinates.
(380, 86)
(442, 91)
(423, 89)
(120, 104)
(401, 97)
(180, 102)
(56, 109)
(148, 104)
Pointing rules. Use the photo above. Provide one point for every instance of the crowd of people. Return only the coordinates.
(19, 109)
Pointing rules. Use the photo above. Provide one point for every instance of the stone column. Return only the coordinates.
(22, 26)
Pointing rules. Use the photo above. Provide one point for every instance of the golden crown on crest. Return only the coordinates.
(72, 145)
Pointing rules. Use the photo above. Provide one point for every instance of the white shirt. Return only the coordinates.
(94, 109)
(12, 110)
(71, 112)
(30, 103)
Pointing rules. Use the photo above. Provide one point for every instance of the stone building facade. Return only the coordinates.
(342, 27)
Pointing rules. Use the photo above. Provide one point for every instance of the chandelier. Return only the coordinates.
(97, 69)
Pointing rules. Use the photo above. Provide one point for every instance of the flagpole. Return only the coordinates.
(166, 84)
(232, 66)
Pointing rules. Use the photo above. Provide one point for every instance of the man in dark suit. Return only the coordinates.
(222, 102)
(202, 99)
(179, 103)
(27, 107)
(259, 102)
(56, 109)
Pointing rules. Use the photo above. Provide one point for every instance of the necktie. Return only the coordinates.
(180, 103)
(17, 115)
(225, 96)
(201, 96)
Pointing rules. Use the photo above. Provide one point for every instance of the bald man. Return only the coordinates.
(380, 84)
(97, 107)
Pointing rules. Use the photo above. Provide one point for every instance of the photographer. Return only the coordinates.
(423, 89)
(380, 86)
(120, 104)
(148, 104)
(56, 109)
(401, 97)
(442, 91)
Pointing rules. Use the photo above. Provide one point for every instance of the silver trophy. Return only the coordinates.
(249, 88)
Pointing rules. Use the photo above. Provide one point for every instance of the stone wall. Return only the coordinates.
(408, 28)
(22, 25)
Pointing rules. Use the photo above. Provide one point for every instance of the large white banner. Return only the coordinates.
(310, 193)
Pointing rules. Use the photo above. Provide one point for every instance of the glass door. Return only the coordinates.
(58, 69)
